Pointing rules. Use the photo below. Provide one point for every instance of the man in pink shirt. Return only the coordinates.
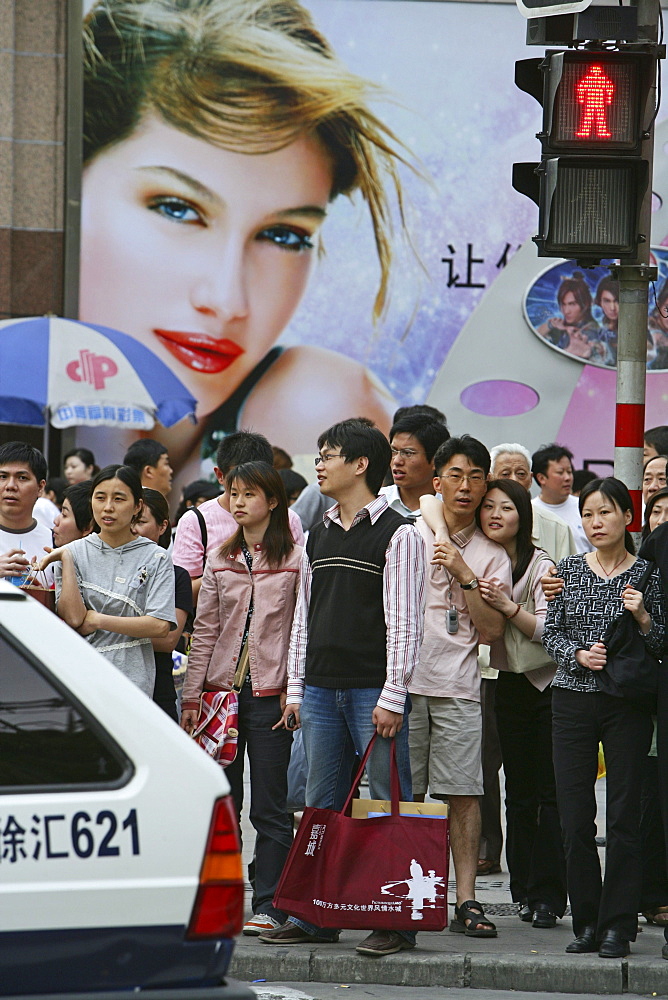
(445, 734)
(205, 528)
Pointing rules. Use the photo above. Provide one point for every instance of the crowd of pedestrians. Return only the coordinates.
(414, 591)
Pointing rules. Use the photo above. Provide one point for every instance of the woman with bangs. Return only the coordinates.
(241, 638)
(217, 132)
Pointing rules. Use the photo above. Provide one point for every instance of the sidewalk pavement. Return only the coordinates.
(520, 958)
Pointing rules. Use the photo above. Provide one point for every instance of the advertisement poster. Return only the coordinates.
(236, 268)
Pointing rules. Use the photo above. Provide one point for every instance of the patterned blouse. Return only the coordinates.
(577, 618)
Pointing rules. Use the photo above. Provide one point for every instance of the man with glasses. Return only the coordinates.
(414, 439)
(355, 641)
(446, 723)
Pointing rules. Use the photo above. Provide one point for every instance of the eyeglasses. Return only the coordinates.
(475, 478)
(326, 458)
(406, 453)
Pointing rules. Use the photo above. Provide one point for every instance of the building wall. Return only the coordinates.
(32, 130)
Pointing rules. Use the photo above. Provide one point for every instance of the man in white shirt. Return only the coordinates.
(414, 440)
(553, 471)
(550, 532)
(22, 537)
(206, 527)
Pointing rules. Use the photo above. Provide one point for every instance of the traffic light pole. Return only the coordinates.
(634, 281)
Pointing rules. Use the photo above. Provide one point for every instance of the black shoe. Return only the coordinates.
(613, 945)
(543, 916)
(583, 943)
(524, 912)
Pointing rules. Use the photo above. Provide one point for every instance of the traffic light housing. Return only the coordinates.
(598, 111)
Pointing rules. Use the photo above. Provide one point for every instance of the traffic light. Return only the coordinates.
(598, 110)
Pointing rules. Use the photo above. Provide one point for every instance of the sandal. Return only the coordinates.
(478, 926)
(657, 915)
(487, 867)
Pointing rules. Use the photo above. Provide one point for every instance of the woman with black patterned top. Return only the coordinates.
(597, 586)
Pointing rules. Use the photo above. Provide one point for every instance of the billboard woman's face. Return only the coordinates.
(200, 253)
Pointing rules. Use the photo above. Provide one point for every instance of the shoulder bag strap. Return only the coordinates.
(205, 535)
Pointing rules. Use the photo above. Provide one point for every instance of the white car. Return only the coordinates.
(119, 851)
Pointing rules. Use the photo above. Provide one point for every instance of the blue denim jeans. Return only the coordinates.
(336, 726)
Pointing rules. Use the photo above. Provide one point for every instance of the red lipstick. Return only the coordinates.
(198, 351)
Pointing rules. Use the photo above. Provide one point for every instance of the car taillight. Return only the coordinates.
(219, 904)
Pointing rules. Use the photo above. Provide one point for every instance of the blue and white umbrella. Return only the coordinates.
(68, 374)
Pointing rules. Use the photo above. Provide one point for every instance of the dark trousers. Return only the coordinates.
(580, 721)
(534, 848)
(654, 877)
(268, 756)
(491, 839)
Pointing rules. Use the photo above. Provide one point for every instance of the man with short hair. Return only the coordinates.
(150, 460)
(22, 538)
(446, 724)
(355, 641)
(206, 527)
(553, 471)
(413, 439)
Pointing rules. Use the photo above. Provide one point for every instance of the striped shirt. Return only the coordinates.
(403, 603)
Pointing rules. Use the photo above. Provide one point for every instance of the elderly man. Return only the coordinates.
(550, 532)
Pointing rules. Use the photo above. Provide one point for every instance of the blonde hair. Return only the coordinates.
(250, 76)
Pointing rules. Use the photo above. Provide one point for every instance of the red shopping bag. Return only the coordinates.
(380, 873)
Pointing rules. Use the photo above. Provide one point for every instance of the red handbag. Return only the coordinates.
(380, 873)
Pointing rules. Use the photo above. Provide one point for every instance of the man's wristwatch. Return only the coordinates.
(473, 585)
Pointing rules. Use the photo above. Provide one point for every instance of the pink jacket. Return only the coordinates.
(222, 609)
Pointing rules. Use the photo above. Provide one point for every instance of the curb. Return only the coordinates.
(540, 973)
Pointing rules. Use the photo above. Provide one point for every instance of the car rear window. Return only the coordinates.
(47, 738)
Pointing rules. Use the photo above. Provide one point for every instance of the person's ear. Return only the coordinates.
(362, 465)
(540, 478)
(220, 475)
(437, 483)
(628, 517)
(147, 472)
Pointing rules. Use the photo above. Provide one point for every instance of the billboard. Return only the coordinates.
(234, 266)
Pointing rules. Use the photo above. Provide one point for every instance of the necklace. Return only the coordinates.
(608, 575)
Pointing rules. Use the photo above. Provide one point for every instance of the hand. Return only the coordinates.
(552, 584)
(289, 710)
(593, 658)
(387, 723)
(449, 557)
(633, 602)
(89, 624)
(13, 563)
(491, 592)
(54, 555)
(189, 719)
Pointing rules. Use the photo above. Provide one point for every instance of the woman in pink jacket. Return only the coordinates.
(244, 616)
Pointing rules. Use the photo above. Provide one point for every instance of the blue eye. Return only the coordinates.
(176, 209)
(288, 239)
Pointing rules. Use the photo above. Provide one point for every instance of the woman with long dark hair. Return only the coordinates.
(534, 850)
(597, 586)
(241, 638)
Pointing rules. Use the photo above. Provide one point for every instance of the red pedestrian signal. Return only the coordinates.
(594, 92)
(592, 180)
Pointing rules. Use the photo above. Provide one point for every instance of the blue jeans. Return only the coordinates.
(336, 726)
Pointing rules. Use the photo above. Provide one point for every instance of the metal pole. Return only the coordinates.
(634, 282)
(631, 375)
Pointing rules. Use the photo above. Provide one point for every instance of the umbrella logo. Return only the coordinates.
(92, 368)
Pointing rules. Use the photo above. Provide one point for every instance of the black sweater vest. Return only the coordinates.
(346, 619)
